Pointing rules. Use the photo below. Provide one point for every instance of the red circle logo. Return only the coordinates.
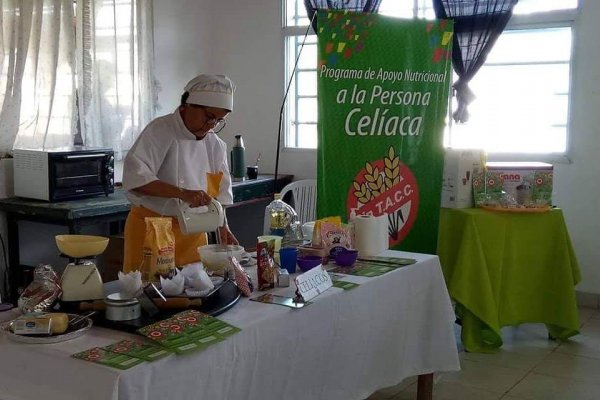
(386, 186)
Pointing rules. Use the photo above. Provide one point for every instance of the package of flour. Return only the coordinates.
(159, 250)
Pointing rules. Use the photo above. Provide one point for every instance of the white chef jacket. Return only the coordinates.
(166, 150)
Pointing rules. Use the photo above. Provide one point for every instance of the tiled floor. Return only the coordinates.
(528, 367)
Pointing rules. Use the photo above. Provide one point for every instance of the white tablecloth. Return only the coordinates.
(344, 346)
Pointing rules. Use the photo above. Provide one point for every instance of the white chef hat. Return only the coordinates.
(211, 90)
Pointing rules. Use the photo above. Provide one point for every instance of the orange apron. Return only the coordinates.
(186, 246)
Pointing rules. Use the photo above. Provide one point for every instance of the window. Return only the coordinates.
(523, 89)
(81, 72)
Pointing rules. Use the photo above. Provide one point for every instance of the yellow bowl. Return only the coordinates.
(78, 246)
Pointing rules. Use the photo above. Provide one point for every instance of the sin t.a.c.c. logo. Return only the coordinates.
(386, 186)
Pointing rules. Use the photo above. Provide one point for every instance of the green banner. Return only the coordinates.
(383, 87)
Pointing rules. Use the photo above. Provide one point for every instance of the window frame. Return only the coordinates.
(567, 18)
(289, 33)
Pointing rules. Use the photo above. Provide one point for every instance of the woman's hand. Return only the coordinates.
(195, 198)
(226, 237)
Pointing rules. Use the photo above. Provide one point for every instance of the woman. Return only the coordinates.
(180, 156)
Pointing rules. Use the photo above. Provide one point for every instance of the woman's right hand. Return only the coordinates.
(195, 198)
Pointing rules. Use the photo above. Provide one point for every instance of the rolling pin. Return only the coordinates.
(177, 302)
(170, 304)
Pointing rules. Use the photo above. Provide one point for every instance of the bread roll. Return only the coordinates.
(59, 322)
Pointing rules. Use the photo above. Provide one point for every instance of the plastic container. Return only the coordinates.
(307, 230)
(280, 215)
(346, 257)
(306, 263)
(215, 256)
(289, 257)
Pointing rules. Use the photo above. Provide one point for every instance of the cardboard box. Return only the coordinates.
(459, 168)
(529, 183)
(487, 187)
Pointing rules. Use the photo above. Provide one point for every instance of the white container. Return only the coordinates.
(307, 230)
(120, 307)
(370, 234)
(457, 182)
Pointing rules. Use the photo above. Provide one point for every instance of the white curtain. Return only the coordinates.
(75, 79)
(116, 81)
(37, 80)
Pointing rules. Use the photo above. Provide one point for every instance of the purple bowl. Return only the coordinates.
(346, 258)
(307, 263)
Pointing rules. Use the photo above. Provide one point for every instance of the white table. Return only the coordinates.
(345, 345)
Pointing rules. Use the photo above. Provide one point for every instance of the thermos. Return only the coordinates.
(238, 163)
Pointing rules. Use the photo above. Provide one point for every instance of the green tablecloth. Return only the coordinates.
(506, 269)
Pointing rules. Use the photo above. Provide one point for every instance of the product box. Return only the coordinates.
(459, 168)
(487, 188)
(529, 183)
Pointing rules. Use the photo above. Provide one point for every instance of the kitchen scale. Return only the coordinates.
(81, 279)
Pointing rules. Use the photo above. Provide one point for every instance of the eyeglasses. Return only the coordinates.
(217, 123)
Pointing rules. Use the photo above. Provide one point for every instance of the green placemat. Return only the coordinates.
(104, 357)
(372, 267)
(143, 351)
(188, 331)
(345, 285)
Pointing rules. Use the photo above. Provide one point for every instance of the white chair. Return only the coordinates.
(303, 199)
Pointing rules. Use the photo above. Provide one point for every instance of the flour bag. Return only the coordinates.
(159, 250)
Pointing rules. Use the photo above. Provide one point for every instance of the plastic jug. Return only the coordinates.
(280, 215)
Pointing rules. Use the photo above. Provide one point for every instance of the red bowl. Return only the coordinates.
(346, 258)
(306, 263)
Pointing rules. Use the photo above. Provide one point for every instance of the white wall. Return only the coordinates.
(183, 31)
(577, 184)
(243, 40)
(249, 49)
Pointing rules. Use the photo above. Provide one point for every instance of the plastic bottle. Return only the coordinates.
(280, 215)
(238, 162)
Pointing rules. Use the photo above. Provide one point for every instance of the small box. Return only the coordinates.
(529, 183)
(32, 326)
(487, 188)
(459, 168)
(283, 277)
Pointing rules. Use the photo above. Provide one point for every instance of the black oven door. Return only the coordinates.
(80, 175)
